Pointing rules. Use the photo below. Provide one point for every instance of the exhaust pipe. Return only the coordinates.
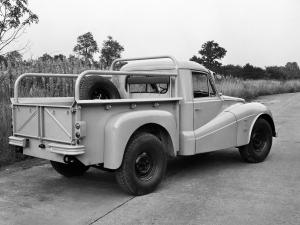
(69, 159)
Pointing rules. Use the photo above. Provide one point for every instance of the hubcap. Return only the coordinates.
(99, 94)
(258, 141)
(144, 167)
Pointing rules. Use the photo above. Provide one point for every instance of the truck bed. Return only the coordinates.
(50, 121)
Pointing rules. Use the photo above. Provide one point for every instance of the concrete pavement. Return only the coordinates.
(213, 188)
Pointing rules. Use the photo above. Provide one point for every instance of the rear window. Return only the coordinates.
(148, 84)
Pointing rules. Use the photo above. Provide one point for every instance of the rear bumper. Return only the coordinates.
(67, 149)
(17, 141)
(61, 149)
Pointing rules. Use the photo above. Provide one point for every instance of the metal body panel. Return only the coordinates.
(32, 149)
(59, 120)
(186, 126)
(219, 133)
(246, 115)
(43, 122)
(26, 121)
(187, 144)
(98, 118)
(205, 110)
(120, 127)
(163, 65)
(63, 101)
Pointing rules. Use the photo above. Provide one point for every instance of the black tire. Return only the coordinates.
(144, 164)
(260, 143)
(70, 170)
(96, 87)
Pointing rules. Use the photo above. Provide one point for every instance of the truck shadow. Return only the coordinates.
(102, 182)
(227, 158)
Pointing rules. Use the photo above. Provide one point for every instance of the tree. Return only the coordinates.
(111, 50)
(210, 53)
(86, 46)
(275, 72)
(46, 57)
(14, 56)
(292, 66)
(251, 72)
(59, 57)
(232, 70)
(14, 18)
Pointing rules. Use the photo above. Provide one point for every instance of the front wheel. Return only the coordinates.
(144, 164)
(260, 143)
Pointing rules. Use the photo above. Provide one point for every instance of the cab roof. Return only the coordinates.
(150, 65)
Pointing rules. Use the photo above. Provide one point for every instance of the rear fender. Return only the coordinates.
(120, 127)
(246, 116)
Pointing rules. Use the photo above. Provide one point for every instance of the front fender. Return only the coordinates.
(120, 127)
(246, 116)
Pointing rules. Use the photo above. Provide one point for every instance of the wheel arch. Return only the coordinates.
(161, 133)
(246, 116)
(266, 117)
(121, 127)
(270, 120)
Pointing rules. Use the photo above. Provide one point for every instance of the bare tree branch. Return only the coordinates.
(15, 17)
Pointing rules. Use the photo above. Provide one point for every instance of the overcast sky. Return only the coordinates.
(259, 32)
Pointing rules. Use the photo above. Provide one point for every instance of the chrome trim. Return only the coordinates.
(67, 149)
(17, 141)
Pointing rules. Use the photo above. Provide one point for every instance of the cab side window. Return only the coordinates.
(202, 86)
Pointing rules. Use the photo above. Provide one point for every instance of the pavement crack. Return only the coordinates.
(112, 210)
(170, 175)
(286, 105)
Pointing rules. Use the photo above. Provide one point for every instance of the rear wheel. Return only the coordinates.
(260, 143)
(70, 170)
(144, 164)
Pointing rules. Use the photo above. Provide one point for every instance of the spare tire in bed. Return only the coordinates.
(96, 87)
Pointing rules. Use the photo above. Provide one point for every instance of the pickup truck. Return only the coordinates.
(159, 108)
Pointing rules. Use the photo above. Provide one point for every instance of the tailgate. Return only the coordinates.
(52, 123)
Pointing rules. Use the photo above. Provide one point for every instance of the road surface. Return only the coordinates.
(213, 188)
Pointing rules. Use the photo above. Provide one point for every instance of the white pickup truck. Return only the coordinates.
(160, 109)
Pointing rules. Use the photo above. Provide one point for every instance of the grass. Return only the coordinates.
(56, 87)
(251, 89)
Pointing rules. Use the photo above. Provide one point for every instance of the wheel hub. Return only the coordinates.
(258, 141)
(99, 94)
(144, 168)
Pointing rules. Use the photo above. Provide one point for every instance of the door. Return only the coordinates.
(207, 105)
(214, 129)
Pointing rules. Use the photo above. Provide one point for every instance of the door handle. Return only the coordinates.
(197, 109)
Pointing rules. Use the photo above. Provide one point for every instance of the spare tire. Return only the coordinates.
(96, 87)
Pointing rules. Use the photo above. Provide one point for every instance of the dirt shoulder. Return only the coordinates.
(22, 165)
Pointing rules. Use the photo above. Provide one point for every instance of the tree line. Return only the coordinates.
(83, 51)
(211, 55)
(15, 17)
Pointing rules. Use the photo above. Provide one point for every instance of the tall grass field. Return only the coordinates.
(59, 87)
